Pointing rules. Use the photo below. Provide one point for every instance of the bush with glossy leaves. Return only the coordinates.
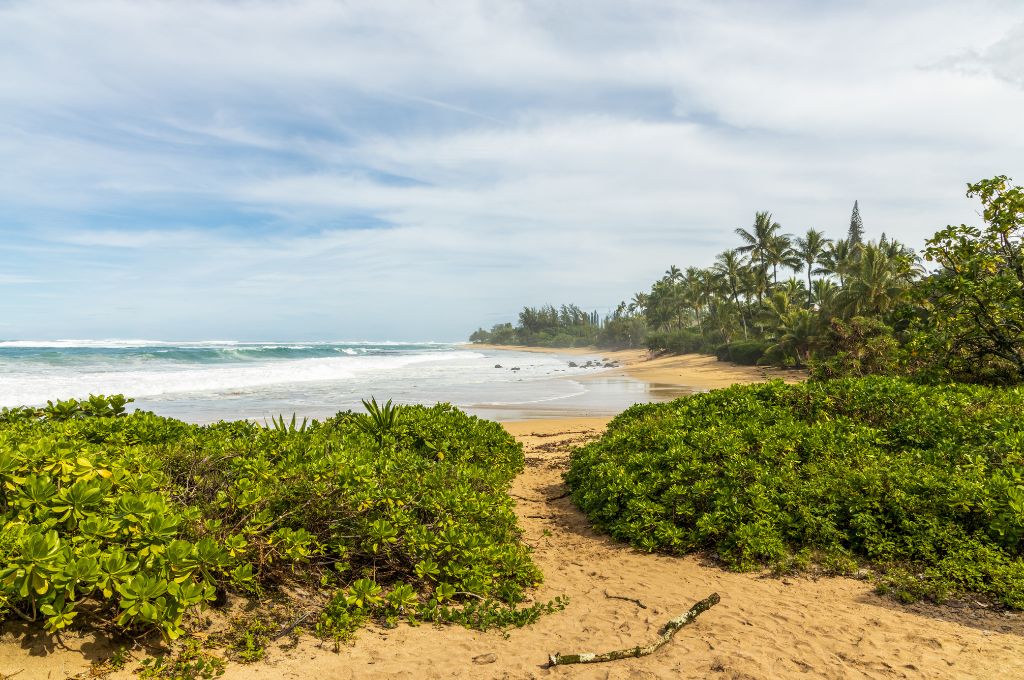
(133, 520)
(924, 483)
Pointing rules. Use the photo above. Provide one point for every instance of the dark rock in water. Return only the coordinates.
(497, 365)
(514, 368)
(573, 364)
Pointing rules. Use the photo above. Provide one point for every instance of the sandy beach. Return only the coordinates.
(638, 376)
(764, 627)
(694, 371)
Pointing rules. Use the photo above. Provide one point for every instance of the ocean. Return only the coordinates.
(216, 380)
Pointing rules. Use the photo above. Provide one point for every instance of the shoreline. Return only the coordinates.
(673, 374)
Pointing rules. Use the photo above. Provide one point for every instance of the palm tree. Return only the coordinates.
(779, 251)
(673, 274)
(837, 260)
(775, 307)
(753, 282)
(723, 315)
(729, 267)
(877, 283)
(809, 249)
(638, 303)
(662, 303)
(895, 250)
(696, 293)
(792, 327)
(796, 334)
(824, 292)
(758, 241)
(793, 288)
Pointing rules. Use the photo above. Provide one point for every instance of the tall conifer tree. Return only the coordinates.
(856, 235)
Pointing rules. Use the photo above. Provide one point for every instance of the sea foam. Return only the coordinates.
(213, 379)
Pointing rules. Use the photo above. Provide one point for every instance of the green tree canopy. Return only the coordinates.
(976, 298)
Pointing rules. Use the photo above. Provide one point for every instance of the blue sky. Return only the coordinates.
(411, 170)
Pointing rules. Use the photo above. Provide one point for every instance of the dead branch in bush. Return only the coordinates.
(664, 635)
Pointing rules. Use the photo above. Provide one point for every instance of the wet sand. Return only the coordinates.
(638, 377)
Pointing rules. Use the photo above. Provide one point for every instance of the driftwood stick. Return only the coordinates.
(664, 635)
(634, 600)
(291, 626)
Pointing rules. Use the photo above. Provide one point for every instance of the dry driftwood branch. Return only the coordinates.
(292, 626)
(634, 600)
(666, 633)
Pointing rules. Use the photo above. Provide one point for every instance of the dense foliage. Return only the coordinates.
(134, 520)
(566, 326)
(975, 302)
(962, 321)
(925, 483)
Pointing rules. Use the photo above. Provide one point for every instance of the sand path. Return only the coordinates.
(764, 627)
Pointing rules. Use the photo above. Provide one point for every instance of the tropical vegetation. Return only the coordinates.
(953, 311)
(920, 487)
(547, 326)
(134, 522)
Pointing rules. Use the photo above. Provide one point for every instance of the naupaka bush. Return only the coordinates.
(132, 520)
(924, 482)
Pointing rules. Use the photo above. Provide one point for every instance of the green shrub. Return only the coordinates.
(622, 332)
(926, 483)
(745, 352)
(145, 518)
(682, 341)
(858, 347)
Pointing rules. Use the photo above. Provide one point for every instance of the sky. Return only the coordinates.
(413, 170)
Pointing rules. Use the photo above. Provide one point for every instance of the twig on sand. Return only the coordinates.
(635, 601)
(291, 626)
(558, 497)
(666, 633)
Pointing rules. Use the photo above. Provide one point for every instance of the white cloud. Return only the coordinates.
(231, 164)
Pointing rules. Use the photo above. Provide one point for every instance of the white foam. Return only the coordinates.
(115, 344)
(238, 376)
(61, 383)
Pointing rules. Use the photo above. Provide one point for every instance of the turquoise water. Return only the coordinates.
(223, 380)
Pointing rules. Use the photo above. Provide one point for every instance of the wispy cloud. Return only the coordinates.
(292, 169)
(16, 280)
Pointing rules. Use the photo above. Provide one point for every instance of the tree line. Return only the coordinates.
(847, 306)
